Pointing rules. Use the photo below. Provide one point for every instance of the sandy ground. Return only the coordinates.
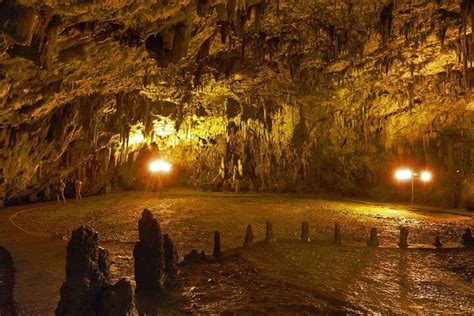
(281, 278)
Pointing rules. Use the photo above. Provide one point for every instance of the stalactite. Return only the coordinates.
(386, 17)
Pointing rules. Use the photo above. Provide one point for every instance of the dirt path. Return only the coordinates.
(35, 234)
(39, 264)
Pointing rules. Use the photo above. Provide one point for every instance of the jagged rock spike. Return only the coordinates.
(373, 238)
(304, 231)
(85, 278)
(217, 245)
(148, 254)
(7, 283)
(337, 234)
(403, 243)
(248, 236)
(269, 232)
(171, 261)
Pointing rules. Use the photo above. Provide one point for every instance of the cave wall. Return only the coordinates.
(280, 95)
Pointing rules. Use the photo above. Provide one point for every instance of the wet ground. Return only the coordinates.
(283, 278)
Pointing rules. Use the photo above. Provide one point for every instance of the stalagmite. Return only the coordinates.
(304, 231)
(116, 300)
(7, 283)
(87, 289)
(217, 245)
(148, 254)
(248, 236)
(337, 234)
(171, 261)
(467, 238)
(373, 239)
(403, 243)
(84, 278)
(269, 232)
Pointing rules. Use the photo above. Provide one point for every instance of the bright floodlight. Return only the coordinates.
(404, 174)
(426, 176)
(159, 166)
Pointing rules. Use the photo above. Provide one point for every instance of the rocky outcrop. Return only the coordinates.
(149, 254)
(171, 262)
(116, 300)
(7, 283)
(87, 289)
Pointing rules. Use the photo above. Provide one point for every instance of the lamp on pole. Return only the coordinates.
(159, 167)
(407, 174)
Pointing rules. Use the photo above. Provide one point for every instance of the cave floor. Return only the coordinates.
(279, 278)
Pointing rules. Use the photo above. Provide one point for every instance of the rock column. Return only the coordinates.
(217, 245)
(269, 232)
(403, 238)
(337, 234)
(373, 239)
(85, 276)
(171, 261)
(248, 236)
(149, 254)
(7, 283)
(467, 238)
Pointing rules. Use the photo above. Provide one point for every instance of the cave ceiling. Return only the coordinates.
(78, 78)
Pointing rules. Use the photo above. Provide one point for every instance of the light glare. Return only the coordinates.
(160, 166)
(404, 174)
(426, 176)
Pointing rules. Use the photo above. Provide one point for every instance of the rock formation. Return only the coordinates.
(270, 95)
(403, 243)
(337, 234)
(467, 238)
(373, 239)
(7, 283)
(87, 289)
(248, 236)
(217, 252)
(304, 231)
(269, 232)
(116, 300)
(194, 257)
(171, 261)
(149, 254)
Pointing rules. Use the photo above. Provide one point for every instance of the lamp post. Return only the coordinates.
(159, 167)
(407, 174)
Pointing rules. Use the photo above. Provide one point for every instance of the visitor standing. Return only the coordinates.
(78, 189)
(60, 191)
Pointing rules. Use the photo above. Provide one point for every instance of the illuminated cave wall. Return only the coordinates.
(259, 95)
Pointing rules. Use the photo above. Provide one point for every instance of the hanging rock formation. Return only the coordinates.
(7, 283)
(149, 254)
(260, 95)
